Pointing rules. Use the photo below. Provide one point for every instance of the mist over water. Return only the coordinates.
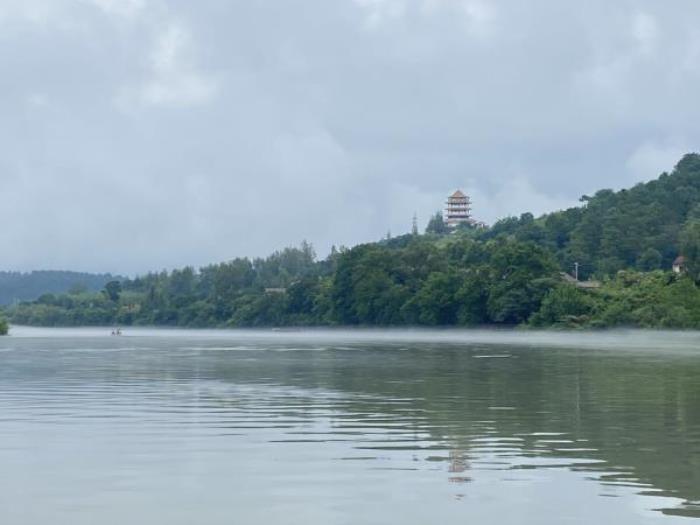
(366, 426)
(618, 339)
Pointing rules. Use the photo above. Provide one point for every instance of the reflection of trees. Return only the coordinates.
(636, 412)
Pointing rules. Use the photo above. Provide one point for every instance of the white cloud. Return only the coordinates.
(119, 7)
(645, 31)
(651, 158)
(379, 12)
(37, 100)
(299, 122)
(623, 63)
(31, 11)
(49, 12)
(174, 80)
(171, 48)
(481, 16)
(516, 196)
(178, 89)
(478, 15)
(690, 62)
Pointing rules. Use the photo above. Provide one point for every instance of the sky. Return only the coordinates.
(139, 135)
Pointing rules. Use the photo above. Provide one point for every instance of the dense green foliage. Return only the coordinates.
(4, 328)
(656, 299)
(17, 286)
(636, 228)
(508, 274)
(463, 282)
(406, 281)
(437, 224)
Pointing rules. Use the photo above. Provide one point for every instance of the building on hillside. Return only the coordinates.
(679, 264)
(458, 210)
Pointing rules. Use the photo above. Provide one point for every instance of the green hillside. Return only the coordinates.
(611, 231)
(509, 274)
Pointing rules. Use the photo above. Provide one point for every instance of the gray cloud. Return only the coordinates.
(140, 134)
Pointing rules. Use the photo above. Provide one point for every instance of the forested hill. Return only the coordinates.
(508, 274)
(18, 286)
(633, 228)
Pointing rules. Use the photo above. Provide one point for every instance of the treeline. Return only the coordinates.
(411, 282)
(19, 286)
(414, 281)
(509, 274)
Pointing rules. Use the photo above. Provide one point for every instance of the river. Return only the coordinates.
(348, 427)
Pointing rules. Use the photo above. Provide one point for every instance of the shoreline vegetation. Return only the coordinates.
(511, 274)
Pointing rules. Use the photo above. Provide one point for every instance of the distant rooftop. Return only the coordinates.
(457, 195)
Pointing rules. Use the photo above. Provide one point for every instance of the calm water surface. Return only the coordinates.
(177, 427)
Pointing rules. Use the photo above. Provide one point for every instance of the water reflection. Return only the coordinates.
(314, 430)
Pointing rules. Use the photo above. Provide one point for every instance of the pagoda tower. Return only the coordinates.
(458, 210)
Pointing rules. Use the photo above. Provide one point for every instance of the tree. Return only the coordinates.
(77, 289)
(520, 275)
(437, 225)
(301, 296)
(649, 260)
(690, 247)
(4, 328)
(565, 305)
(435, 302)
(112, 290)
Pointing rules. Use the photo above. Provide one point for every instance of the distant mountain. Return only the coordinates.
(18, 286)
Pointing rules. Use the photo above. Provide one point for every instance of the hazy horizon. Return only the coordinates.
(148, 134)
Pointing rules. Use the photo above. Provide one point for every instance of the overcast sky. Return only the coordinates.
(148, 134)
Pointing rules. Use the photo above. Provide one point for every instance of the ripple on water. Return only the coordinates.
(245, 427)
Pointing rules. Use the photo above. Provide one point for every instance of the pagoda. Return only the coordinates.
(458, 210)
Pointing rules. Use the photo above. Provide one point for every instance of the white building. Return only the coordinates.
(458, 210)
